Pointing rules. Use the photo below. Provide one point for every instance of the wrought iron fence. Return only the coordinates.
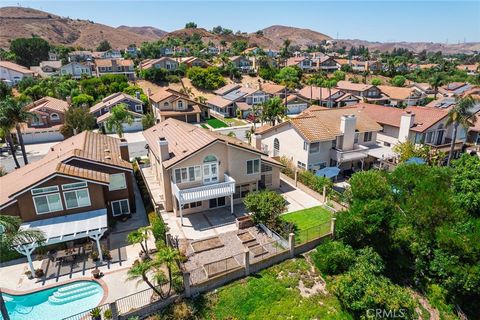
(310, 234)
(216, 268)
(266, 250)
(90, 313)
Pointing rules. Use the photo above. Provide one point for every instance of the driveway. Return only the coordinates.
(296, 198)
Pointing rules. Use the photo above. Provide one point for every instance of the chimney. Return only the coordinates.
(149, 92)
(69, 100)
(163, 145)
(137, 95)
(257, 141)
(347, 127)
(406, 122)
(124, 154)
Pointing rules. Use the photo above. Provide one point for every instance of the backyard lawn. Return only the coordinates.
(234, 122)
(290, 290)
(309, 222)
(215, 123)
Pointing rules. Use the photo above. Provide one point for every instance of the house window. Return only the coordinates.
(44, 190)
(180, 105)
(48, 203)
(193, 173)
(74, 185)
(117, 182)
(192, 205)
(314, 147)
(276, 147)
(266, 168)
(165, 104)
(138, 108)
(77, 198)
(253, 166)
(301, 165)
(305, 145)
(54, 117)
(367, 136)
(120, 207)
(429, 137)
(355, 139)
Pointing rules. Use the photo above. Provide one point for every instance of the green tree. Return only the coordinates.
(376, 82)
(11, 235)
(168, 257)
(265, 206)
(289, 77)
(273, 110)
(466, 183)
(333, 257)
(5, 90)
(77, 119)
(209, 78)
(398, 81)
(148, 120)
(29, 51)
(190, 25)
(104, 45)
(140, 236)
(285, 51)
(339, 75)
(436, 81)
(460, 115)
(406, 150)
(82, 100)
(6, 127)
(15, 109)
(119, 115)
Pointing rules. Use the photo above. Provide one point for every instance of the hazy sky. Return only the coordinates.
(385, 20)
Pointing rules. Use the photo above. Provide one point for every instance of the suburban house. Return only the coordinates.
(193, 62)
(442, 102)
(115, 66)
(195, 169)
(80, 56)
(47, 117)
(401, 96)
(321, 137)
(454, 89)
(168, 103)
(470, 69)
(273, 90)
(361, 66)
(420, 125)
(134, 105)
(210, 50)
(242, 63)
(109, 54)
(163, 62)
(73, 191)
(304, 63)
(47, 68)
(132, 51)
(12, 73)
(367, 92)
(233, 97)
(474, 132)
(424, 88)
(332, 97)
(325, 63)
(295, 104)
(76, 69)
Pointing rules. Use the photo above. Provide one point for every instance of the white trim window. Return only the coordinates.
(301, 165)
(120, 207)
(117, 182)
(314, 147)
(187, 174)
(54, 117)
(75, 185)
(48, 203)
(367, 136)
(77, 198)
(43, 190)
(138, 108)
(253, 166)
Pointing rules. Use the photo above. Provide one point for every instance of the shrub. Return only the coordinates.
(159, 228)
(333, 257)
(312, 181)
(173, 78)
(398, 81)
(265, 206)
(209, 78)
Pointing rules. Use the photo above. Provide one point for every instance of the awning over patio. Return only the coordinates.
(92, 224)
(352, 156)
(381, 152)
(70, 227)
(328, 172)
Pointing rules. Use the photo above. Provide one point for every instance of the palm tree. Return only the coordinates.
(139, 236)
(330, 84)
(119, 116)
(249, 133)
(273, 110)
(6, 127)
(436, 81)
(11, 236)
(15, 110)
(148, 120)
(168, 256)
(460, 115)
(286, 46)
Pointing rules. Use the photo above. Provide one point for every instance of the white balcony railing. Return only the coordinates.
(211, 191)
(357, 153)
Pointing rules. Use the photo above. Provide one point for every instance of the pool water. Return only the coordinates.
(55, 303)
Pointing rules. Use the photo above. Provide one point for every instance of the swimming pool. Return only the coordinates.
(55, 303)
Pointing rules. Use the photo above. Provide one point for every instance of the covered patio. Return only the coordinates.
(91, 224)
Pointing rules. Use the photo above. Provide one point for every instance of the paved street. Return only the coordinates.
(136, 147)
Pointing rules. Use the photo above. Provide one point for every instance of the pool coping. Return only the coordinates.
(50, 286)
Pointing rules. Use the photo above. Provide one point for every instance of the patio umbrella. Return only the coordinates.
(415, 160)
(328, 172)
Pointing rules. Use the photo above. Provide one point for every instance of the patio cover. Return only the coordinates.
(328, 172)
(352, 156)
(381, 152)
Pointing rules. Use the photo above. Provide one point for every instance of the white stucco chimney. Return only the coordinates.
(406, 122)
(256, 141)
(164, 152)
(347, 127)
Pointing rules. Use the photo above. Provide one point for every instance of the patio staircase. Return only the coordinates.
(73, 292)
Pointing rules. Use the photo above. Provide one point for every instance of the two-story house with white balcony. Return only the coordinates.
(166, 63)
(195, 169)
(242, 63)
(115, 66)
(367, 92)
(76, 69)
(420, 125)
(168, 103)
(320, 138)
(304, 63)
(232, 97)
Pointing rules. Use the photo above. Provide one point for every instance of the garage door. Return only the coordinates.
(296, 108)
(40, 137)
(135, 126)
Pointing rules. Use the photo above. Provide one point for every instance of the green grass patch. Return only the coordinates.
(216, 124)
(309, 223)
(271, 294)
(234, 122)
(204, 126)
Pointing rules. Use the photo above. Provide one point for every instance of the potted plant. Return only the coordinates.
(39, 273)
(94, 255)
(107, 314)
(96, 273)
(96, 314)
(29, 274)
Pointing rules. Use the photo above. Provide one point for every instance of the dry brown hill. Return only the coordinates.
(151, 32)
(17, 22)
(298, 37)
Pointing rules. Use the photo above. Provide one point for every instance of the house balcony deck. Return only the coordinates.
(445, 147)
(206, 192)
(358, 152)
